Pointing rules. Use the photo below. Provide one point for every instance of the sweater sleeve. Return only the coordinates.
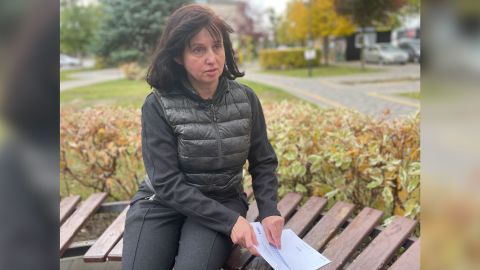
(262, 162)
(159, 150)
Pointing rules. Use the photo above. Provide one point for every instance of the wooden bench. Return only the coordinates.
(350, 242)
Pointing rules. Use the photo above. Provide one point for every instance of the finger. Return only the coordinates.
(270, 239)
(254, 251)
(276, 235)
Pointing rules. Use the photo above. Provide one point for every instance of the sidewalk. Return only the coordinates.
(371, 93)
(91, 77)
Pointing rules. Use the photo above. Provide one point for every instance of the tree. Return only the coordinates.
(325, 23)
(296, 21)
(368, 13)
(130, 28)
(77, 27)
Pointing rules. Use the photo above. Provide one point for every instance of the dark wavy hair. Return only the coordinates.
(181, 27)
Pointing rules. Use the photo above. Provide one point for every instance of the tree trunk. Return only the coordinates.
(325, 50)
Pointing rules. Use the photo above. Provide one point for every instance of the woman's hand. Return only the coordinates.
(273, 226)
(243, 234)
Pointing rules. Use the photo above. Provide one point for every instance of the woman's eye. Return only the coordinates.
(198, 50)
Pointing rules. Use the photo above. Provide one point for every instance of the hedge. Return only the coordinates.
(286, 59)
(335, 153)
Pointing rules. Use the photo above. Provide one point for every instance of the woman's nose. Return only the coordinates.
(210, 57)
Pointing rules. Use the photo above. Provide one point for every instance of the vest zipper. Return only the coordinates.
(219, 144)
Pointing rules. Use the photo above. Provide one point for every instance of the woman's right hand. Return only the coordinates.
(243, 234)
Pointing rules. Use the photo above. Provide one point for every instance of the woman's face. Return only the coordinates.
(204, 59)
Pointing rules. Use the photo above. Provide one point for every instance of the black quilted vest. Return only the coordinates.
(213, 136)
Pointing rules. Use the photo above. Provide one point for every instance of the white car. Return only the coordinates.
(68, 61)
(385, 53)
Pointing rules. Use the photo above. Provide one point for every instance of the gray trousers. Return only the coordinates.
(157, 237)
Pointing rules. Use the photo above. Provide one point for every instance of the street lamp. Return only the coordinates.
(310, 52)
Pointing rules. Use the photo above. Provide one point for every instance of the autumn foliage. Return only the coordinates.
(336, 153)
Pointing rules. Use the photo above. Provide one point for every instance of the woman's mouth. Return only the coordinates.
(211, 71)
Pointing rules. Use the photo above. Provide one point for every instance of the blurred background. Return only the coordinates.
(79, 66)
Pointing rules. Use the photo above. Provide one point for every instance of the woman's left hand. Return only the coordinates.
(273, 226)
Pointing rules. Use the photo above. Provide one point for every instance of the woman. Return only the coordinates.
(199, 127)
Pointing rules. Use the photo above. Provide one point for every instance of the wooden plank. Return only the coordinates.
(299, 224)
(99, 251)
(347, 242)
(67, 206)
(288, 204)
(410, 259)
(304, 218)
(324, 230)
(240, 256)
(380, 250)
(78, 218)
(116, 253)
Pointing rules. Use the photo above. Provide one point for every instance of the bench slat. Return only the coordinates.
(67, 206)
(304, 218)
(341, 247)
(321, 233)
(410, 260)
(116, 253)
(299, 223)
(239, 256)
(384, 245)
(99, 251)
(73, 224)
(288, 204)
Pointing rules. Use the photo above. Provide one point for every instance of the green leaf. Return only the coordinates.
(412, 184)
(377, 181)
(387, 196)
(298, 169)
(316, 166)
(403, 177)
(332, 193)
(290, 156)
(314, 158)
(300, 188)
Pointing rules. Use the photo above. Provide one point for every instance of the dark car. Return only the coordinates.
(412, 47)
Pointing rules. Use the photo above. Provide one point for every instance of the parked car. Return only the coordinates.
(385, 53)
(412, 47)
(68, 61)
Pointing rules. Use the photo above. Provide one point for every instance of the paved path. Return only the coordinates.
(366, 93)
(91, 77)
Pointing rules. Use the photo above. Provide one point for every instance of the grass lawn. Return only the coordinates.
(127, 93)
(414, 95)
(122, 92)
(65, 74)
(332, 70)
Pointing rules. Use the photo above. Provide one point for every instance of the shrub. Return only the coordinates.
(286, 59)
(344, 155)
(336, 153)
(133, 71)
(100, 151)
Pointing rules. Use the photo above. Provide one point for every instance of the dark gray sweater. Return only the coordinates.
(159, 149)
